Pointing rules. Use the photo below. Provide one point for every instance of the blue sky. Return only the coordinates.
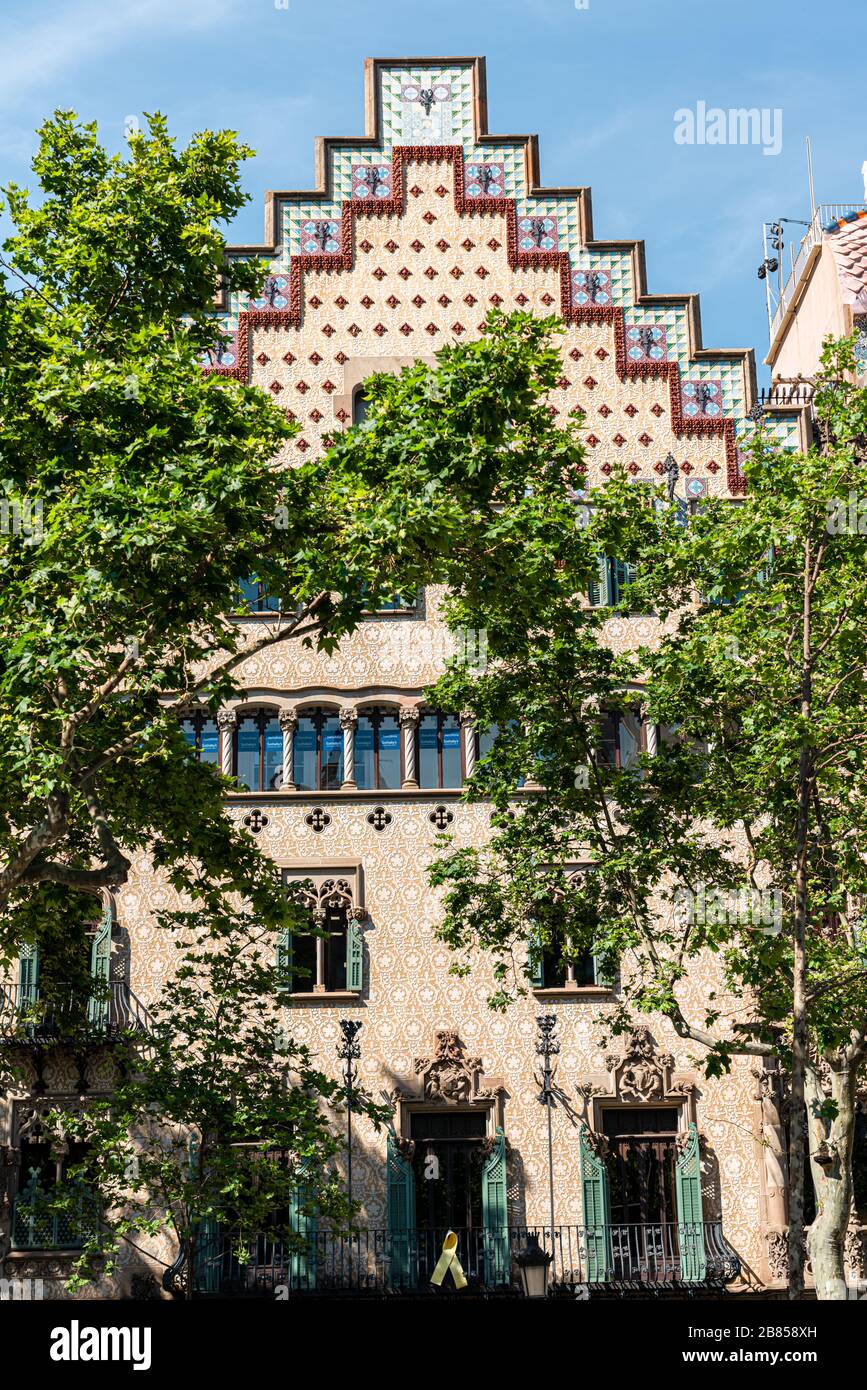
(600, 85)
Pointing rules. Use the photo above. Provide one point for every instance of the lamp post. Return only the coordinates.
(548, 1047)
(533, 1265)
(349, 1051)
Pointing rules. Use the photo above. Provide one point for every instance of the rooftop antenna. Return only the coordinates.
(810, 179)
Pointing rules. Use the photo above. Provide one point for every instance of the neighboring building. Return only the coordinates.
(411, 234)
(824, 296)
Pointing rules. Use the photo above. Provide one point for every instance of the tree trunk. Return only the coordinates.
(800, 1056)
(832, 1180)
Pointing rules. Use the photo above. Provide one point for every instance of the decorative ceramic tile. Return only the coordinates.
(484, 180)
(537, 234)
(320, 237)
(591, 286)
(701, 400)
(426, 106)
(646, 342)
(275, 294)
(371, 181)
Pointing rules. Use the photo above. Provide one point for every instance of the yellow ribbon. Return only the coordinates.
(449, 1262)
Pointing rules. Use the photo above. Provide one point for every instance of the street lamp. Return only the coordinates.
(534, 1265)
(349, 1051)
(548, 1047)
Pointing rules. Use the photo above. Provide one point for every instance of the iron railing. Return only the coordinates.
(35, 1228)
(111, 1012)
(380, 1262)
(825, 213)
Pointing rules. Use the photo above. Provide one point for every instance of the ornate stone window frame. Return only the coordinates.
(450, 1079)
(347, 874)
(639, 1078)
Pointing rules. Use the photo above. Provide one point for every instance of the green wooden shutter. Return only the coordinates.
(303, 1222)
(535, 962)
(623, 572)
(100, 971)
(599, 590)
(401, 1216)
(354, 956)
(596, 1204)
(28, 974)
(606, 978)
(495, 1216)
(284, 962)
(690, 1217)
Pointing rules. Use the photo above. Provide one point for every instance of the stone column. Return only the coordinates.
(468, 725)
(771, 1135)
(348, 723)
(409, 723)
(652, 736)
(227, 721)
(288, 725)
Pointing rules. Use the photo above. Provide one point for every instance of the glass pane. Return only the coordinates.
(332, 753)
(273, 756)
(188, 729)
(335, 961)
(364, 752)
(428, 761)
(303, 963)
(305, 754)
(487, 738)
(389, 753)
(629, 738)
(451, 751)
(359, 408)
(210, 742)
(248, 755)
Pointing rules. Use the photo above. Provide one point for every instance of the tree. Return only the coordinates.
(741, 835)
(217, 1128)
(139, 489)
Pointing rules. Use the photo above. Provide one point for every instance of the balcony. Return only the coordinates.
(35, 1228)
(803, 259)
(618, 1259)
(115, 1012)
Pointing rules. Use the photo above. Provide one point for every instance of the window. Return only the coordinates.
(255, 597)
(395, 603)
(330, 958)
(45, 1164)
(318, 760)
(485, 740)
(259, 752)
(377, 750)
(551, 971)
(439, 750)
(359, 406)
(621, 739)
(610, 583)
(202, 735)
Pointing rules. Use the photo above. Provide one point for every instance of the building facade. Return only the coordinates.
(659, 1177)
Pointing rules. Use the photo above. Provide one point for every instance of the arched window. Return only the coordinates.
(202, 735)
(377, 750)
(318, 751)
(485, 740)
(439, 750)
(259, 752)
(359, 406)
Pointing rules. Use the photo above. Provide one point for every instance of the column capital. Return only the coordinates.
(409, 716)
(227, 718)
(288, 719)
(348, 717)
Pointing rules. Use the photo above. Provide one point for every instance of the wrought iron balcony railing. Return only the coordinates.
(113, 1012)
(378, 1262)
(35, 1228)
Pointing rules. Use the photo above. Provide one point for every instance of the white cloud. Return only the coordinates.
(84, 32)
